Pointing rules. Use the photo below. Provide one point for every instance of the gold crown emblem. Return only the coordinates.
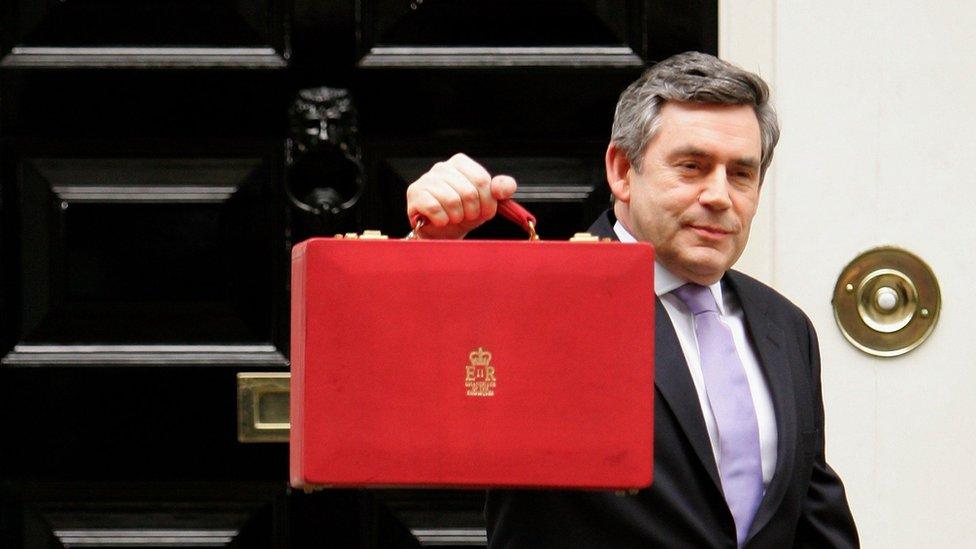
(479, 375)
(480, 357)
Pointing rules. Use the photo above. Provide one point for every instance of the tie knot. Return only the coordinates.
(697, 298)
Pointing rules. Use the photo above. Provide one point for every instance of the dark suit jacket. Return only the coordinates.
(804, 505)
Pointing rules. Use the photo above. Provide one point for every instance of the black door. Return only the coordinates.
(159, 158)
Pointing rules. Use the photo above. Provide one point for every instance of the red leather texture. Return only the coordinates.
(391, 369)
(516, 213)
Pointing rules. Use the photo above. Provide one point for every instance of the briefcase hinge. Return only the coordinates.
(587, 237)
(373, 235)
(367, 235)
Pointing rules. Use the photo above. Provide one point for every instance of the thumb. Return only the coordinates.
(502, 187)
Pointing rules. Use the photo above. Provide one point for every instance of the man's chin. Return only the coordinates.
(706, 268)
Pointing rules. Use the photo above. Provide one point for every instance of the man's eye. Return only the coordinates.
(689, 165)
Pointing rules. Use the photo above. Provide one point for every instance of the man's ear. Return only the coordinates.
(618, 169)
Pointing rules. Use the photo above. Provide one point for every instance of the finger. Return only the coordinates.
(448, 198)
(476, 173)
(437, 198)
(479, 176)
(503, 187)
(426, 204)
(466, 190)
(420, 201)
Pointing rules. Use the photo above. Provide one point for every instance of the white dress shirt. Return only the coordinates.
(731, 314)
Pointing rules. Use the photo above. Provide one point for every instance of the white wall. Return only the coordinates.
(878, 102)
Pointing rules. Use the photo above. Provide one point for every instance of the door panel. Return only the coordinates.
(161, 33)
(145, 230)
(875, 151)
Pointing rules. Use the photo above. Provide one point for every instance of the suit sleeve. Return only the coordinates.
(825, 517)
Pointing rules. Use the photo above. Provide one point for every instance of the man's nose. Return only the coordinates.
(715, 190)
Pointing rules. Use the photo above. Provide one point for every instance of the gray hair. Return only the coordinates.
(692, 77)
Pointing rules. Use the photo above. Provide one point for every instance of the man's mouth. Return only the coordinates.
(710, 231)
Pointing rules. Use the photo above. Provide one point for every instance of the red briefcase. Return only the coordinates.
(472, 363)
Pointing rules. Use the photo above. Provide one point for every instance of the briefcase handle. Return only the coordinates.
(509, 209)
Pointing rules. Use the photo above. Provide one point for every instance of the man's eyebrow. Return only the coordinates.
(747, 162)
(695, 152)
(688, 151)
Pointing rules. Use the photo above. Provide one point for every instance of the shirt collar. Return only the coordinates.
(664, 280)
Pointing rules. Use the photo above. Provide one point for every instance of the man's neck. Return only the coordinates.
(665, 279)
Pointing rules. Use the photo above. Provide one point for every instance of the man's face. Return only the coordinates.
(698, 189)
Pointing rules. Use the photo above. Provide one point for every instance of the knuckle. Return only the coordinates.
(416, 187)
(456, 216)
(430, 207)
(483, 181)
(438, 219)
(452, 202)
(469, 195)
(423, 180)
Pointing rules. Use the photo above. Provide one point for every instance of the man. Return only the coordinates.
(739, 447)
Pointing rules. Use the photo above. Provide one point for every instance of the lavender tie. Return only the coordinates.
(740, 466)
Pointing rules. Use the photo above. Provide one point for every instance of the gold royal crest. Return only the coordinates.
(479, 374)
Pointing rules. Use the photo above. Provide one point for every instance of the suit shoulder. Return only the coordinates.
(603, 226)
(775, 303)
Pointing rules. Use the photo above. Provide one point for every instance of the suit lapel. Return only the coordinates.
(674, 383)
(671, 375)
(768, 340)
